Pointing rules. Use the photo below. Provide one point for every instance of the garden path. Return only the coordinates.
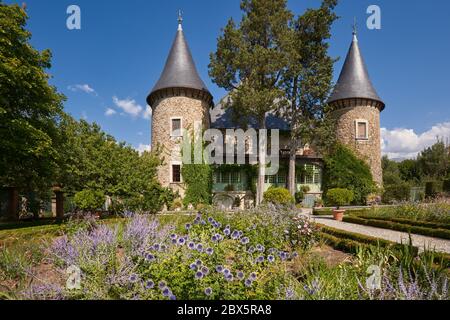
(422, 242)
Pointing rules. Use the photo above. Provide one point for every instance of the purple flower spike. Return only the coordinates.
(208, 291)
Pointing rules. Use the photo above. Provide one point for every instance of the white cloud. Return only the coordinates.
(83, 88)
(143, 148)
(147, 114)
(129, 106)
(110, 112)
(406, 144)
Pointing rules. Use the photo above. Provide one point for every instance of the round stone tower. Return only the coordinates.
(178, 99)
(357, 107)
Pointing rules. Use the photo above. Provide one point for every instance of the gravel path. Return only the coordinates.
(422, 242)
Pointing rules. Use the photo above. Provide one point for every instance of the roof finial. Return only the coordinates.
(355, 29)
(180, 20)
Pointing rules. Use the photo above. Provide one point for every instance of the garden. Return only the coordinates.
(269, 253)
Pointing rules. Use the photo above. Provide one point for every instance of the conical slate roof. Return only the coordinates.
(180, 70)
(354, 81)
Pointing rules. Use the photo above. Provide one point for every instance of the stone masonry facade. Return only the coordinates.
(183, 107)
(347, 114)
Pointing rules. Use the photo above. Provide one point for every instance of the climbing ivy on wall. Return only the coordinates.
(251, 171)
(198, 180)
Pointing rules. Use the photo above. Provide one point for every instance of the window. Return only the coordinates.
(362, 130)
(176, 173)
(175, 127)
(228, 177)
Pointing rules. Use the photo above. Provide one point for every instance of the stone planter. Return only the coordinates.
(338, 215)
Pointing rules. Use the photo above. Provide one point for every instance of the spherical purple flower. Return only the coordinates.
(260, 248)
(227, 232)
(226, 272)
(173, 298)
(162, 284)
(240, 275)
(198, 262)
(193, 266)
(210, 220)
(150, 284)
(199, 275)
(235, 235)
(205, 271)
(191, 245)
(199, 247)
(271, 258)
(245, 240)
(219, 225)
(283, 256)
(157, 247)
(248, 283)
(188, 226)
(166, 292)
(260, 259)
(203, 222)
(219, 269)
(149, 257)
(210, 251)
(240, 234)
(251, 249)
(173, 236)
(229, 277)
(133, 278)
(174, 241)
(214, 238)
(181, 241)
(208, 291)
(253, 276)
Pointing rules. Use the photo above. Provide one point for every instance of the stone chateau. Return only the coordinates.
(180, 97)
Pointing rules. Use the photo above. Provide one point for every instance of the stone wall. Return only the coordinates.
(189, 110)
(368, 150)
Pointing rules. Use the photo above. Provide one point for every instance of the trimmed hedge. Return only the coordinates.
(435, 233)
(350, 239)
(416, 223)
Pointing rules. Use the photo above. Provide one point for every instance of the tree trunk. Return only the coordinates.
(291, 177)
(13, 204)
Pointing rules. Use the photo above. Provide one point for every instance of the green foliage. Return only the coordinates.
(89, 200)
(446, 185)
(400, 191)
(29, 107)
(432, 188)
(299, 197)
(340, 197)
(344, 170)
(198, 180)
(435, 161)
(279, 196)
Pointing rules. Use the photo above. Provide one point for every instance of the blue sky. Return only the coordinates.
(118, 55)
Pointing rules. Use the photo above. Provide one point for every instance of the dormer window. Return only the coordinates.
(175, 127)
(362, 129)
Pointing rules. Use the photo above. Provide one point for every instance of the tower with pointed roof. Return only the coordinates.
(357, 107)
(178, 99)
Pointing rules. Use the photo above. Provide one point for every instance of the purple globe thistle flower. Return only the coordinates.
(208, 291)
(199, 275)
(253, 276)
(188, 226)
(260, 248)
(162, 285)
(260, 259)
(174, 241)
(203, 222)
(210, 251)
(199, 247)
(219, 225)
(248, 283)
(226, 272)
(133, 278)
(166, 292)
(191, 245)
(227, 232)
(251, 249)
(214, 238)
(229, 277)
(240, 275)
(193, 266)
(181, 241)
(205, 271)
(198, 262)
(219, 269)
(245, 240)
(240, 234)
(173, 236)
(210, 220)
(150, 284)
(283, 256)
(271, 258)
(149, 257)
(157, 246)
(173, 298)
(235, 235)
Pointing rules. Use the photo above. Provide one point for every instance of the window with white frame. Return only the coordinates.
(362, 129)
(175, 127)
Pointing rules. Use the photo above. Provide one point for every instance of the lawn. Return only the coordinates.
(268, 253)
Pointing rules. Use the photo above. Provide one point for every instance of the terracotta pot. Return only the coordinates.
(338, 215)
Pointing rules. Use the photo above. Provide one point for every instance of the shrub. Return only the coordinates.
(299, 197)
(344, 170)
(340, 197)
(176, 204)
(397, 192)
(446, 185)
(432, 188)
(198, 180)
(279, 196)
(89, 200)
